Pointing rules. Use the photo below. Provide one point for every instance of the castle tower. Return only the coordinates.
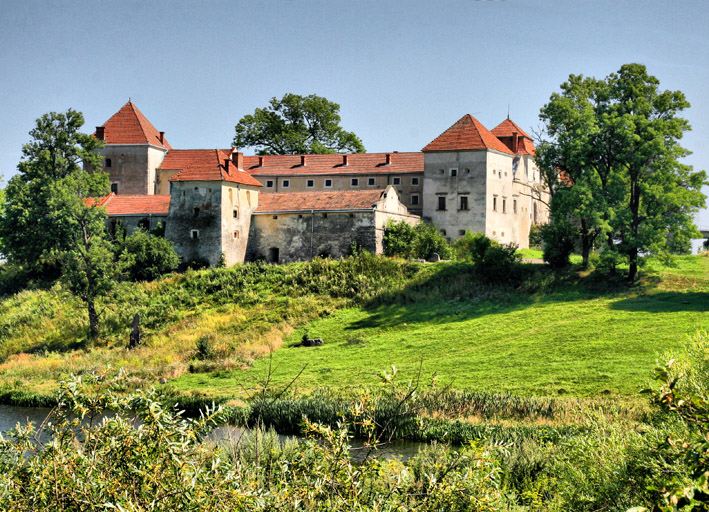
(134, 149)
(212, 199)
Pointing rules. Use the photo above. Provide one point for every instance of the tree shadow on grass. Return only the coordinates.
(665, 302)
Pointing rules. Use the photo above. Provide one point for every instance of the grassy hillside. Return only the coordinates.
(555, 335)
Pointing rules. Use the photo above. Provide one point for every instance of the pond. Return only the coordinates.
(10, 415)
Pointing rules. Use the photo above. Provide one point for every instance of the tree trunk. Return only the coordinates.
(93, 319)
(586, 244)
(633, 267)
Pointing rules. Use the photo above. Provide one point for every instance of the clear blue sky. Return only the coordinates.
(402, 71)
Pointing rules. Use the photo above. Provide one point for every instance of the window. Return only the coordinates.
(443, 232)
(269, 183)
(324, 215)
(194, 234)
(396, 181)
(354, 182)
(504, 205)
(514, 205)
(454, 172)
(441, 171)
(310, 183)
(463, 202)
(275, 216)
(236, 213)
(414, 199)
(285, 183)
(183, 192)
(108, 162)
(371, 182)
(467, 171)
(414, 181)
(461, 232)
(494, 203)
(236, 234)
(328, 183)
(196, 212)
(114, 188)
(441, 203)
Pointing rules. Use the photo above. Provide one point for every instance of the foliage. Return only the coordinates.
(613, 163)
(684, 393)
(50, 161)
(535, 236)
(150, 256)
(492, 262)
(559, 240)
(420, 241)
(296, 125)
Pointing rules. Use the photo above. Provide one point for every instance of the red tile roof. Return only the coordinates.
(507, 127)
(132, 205)
(357, 163)
(526, 146)
(466, 133)
(130, 126)
(205, 165)
(318, 201)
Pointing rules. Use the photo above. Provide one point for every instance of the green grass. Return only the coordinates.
(582, 347)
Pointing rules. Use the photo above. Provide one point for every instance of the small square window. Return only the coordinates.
(396, 181)
(285, 183)
(328, 183)
(371, 182)
(354, 182)
(269, 183)
(310, 183)
(275, 216)
(414, 181)
(443, 232)
(461, 232)
(194, 234)
(454, 172)
(108, 162)
(414, 199)
(324, 215)
(441, 171)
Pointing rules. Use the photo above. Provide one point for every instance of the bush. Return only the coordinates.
(559, 240)
(152, 256)
(535, 236)
(420, 241)
(492, 262)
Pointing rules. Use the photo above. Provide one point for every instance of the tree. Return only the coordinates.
(150, 256)
(296, 125)
(31, 236)
(613, 163)
(49, 220)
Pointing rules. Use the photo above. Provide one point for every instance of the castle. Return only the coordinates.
(283, 208)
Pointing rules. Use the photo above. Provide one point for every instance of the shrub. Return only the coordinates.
(429, 241)
(152, 256)
(492, 262)
(535, 236)
(420, 241)
(399, 239)
(559, 239)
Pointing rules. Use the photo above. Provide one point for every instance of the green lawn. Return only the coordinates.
(560, 344)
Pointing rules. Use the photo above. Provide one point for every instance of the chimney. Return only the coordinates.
(388, 159)
(226, 165)
(237, 158)
(514, 142)
(162, 137)
(345, 160)
(302, 161)
(100, 133)
(260, 161)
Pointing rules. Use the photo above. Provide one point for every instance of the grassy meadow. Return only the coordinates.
(567, 335)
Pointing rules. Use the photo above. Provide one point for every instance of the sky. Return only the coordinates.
(402, 71)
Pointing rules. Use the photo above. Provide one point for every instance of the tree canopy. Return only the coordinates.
(612, 163)
(296, 125)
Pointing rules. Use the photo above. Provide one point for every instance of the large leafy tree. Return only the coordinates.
(296, 125)
(32, 236)
(613, 163)
(49, 220)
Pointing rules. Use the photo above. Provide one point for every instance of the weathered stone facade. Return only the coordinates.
(283, 208)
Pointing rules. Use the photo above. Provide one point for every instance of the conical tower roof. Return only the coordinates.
(130, 126)
(466, 133)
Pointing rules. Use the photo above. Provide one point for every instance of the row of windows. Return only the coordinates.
(354, 182)
(463, 203)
